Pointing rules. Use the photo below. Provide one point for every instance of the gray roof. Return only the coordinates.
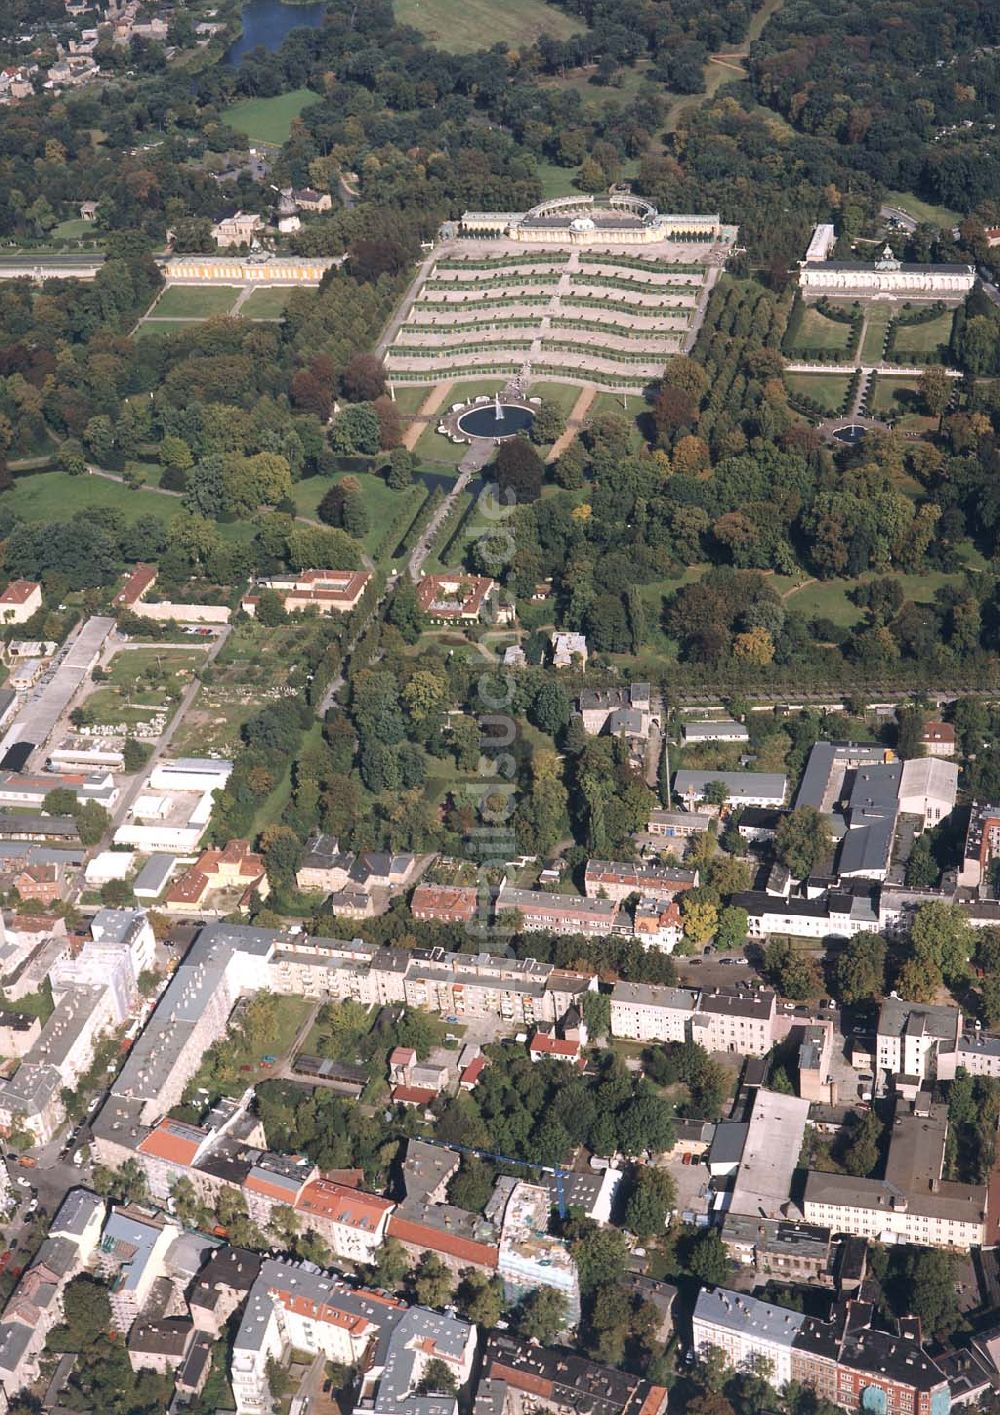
(651, 995)
(154, 874)
(76, 1211)
(930, 1019)
(822, 758)
(720, 730)
(875, 788)
(739, 784)
(867, 848)
(737, 1312)
(15, 1337)
(961, 1203)
(728, 1142)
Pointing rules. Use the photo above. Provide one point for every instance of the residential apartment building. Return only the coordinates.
(445, 903)
(645, 1012)
(729, 1019)
(845, 1360)
(539, 911)
(36, 1304)
(910, 1037)
(131, 1256)
(290, 1307)
(350, 1221)
(616, 880)
(519, 1376)
(912, 1203)
(834, 913)
(19, 601)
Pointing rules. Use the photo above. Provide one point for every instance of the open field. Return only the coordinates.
(895, 395)
(829, 389)
(828, 599)
(265, 304)
(593, 94)
(383, 504)
(269, 119)
(919, 339)
(818, 332)
(478, 24)
(923, 210)
(194, 301)
(56, 496)
(143, 682)
(157, 329)
(878, 317)
(563, 395)
(410, 399)
(556, 181)
(72, 230)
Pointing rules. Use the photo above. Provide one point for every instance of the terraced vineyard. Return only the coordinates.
(606, 319)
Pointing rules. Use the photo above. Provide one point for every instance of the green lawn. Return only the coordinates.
(828, 598)
(829, 389)
(557, 181)
(564, 395)
(56, 496)
(410, 398)
(922, 210)
(920, 339)
(265, 304)
(194, 301)
(478, 24)
(269, 119)
(818, 332)
(157, 329)
(271, 809)
(895, 395)
(879, 317)
(383, 504)
(73, 230)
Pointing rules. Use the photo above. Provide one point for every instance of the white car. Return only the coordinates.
(32, 1206)
(24, 1183)
(78, 1157)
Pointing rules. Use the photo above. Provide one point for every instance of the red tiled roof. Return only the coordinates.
(172, 1141)
(473, 1071)
(553, 1046)
(136, 585)
(19, 591)
(402, 1056)
(343, 1205)
(422, 1235)
(413, 1095)
(451, 596)
(456, 901)
(939, 732)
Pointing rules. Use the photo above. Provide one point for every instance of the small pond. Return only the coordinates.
(266, 22)
(852, 433)
(488, 421)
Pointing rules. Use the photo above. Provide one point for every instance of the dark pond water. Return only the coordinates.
(483, 422)
(266, 22)
(851, 434)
